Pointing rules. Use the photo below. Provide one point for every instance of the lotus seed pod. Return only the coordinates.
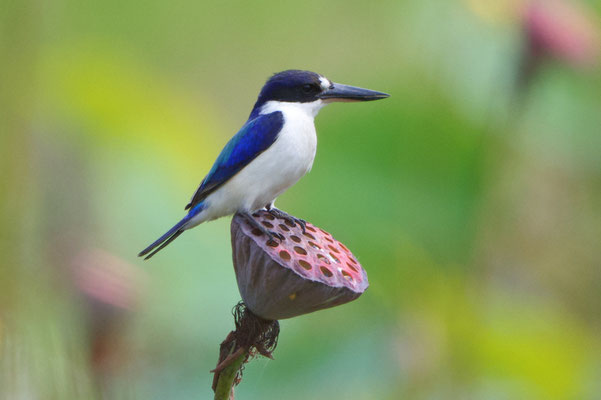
(304, 272)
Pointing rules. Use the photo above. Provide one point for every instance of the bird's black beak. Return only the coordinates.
(340, 92)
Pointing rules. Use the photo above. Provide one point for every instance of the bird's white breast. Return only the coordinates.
(287, 160)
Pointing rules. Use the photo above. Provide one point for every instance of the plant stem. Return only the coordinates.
(225, 383)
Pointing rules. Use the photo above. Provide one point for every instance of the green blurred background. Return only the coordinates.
(472, 197)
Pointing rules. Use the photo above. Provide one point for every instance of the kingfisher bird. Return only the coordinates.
(270, 153)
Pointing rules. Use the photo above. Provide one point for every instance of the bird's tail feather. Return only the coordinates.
(170, 235)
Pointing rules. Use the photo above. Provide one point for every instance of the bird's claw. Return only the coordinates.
(270, 234)
(277, 213)
(302, 223)
(278, 235)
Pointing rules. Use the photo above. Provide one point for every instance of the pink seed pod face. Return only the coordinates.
(303, 273)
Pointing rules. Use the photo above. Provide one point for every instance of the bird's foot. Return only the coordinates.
(270, 234)
(276, 212)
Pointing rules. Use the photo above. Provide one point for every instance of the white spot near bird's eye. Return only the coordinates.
(325, 82)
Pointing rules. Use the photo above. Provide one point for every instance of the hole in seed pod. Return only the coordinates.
(351, 266)
(304, 264)
(309, 228)
(269, 217)
(267, 224)
(300, 250)
(256, 215)
(347, 275)
(295, 238)
(314, 245)
(323, 258)
(284, 255)
(307, 234)
(334, 249)
(328, 239)
(351, 259)
(324, 232)
(256, 232)
(271, 243)
(343, 246)
(289, 223)
(284, 228)
(326, 272)
(334, 257)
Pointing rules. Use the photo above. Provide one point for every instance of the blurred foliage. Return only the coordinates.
(472, 197)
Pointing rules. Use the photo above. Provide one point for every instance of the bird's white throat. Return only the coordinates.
(311, 109)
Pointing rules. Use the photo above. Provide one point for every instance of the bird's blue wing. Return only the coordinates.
(251, 140)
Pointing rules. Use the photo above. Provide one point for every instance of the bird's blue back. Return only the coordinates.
(251, 140)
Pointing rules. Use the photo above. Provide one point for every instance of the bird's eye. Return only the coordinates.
(308, 88)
